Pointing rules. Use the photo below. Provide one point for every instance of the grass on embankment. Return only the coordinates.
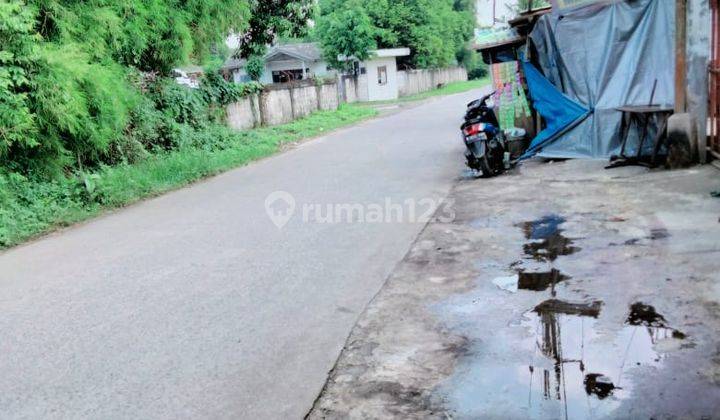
(29, 208)
(449, 89)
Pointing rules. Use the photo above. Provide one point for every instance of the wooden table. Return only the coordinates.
(641, 116)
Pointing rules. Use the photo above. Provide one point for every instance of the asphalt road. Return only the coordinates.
(195, 305)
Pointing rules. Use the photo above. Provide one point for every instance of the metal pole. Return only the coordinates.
(680, 56)
(494, 18)
(713, 77)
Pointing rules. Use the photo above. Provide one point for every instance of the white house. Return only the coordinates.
(284, 63)
(377, 77)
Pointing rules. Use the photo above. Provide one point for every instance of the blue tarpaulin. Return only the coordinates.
(559, 112)
(601, 56)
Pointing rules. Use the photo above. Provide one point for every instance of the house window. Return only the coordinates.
(382, 75)
(284, 76)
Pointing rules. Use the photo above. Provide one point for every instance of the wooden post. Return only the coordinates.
(680, 56)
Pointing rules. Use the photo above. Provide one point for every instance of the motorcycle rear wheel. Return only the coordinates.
(485, 167)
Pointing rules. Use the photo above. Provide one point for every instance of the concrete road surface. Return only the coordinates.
(195, 305)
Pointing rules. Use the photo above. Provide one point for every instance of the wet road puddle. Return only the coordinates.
(646, 316)
(573, 371)
(584, 365)
(571, 367)
(546, 241)
(655, 235)
(532, 281)
(545, 244)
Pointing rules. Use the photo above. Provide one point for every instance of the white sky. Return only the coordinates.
(485, 11)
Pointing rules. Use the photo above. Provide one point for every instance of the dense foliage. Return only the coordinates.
(90, 116)
(30, 206)
(346, 32)
(255, 67)
(270, 19)
(436, 31)
(84, 83)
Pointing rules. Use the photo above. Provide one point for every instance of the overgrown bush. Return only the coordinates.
(18, 53)
(66, 99)
(255, 67)
(473, 63)
(480, 71)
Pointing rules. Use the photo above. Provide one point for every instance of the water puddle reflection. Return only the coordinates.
(584, 366)
(567, 367)
(538, 282)
(575, 371)
(532, 281)
(546, 239)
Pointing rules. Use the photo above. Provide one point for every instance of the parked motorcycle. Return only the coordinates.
(485, 142)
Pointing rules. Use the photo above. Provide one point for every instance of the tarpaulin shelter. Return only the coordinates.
(602, 57)
(561, 114)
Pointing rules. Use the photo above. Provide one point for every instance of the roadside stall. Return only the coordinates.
(502, 50)
(577, 75)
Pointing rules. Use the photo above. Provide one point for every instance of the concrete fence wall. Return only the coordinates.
(353, 88)
(412, 82)
(282, 103)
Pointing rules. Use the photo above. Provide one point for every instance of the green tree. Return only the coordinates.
(87, 82)
(436, 31)
(346, 32)
(255, 67)
(152, 35)
(270, 19)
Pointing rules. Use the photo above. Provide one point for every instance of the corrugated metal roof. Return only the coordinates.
(308, 51)
(234, 63)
